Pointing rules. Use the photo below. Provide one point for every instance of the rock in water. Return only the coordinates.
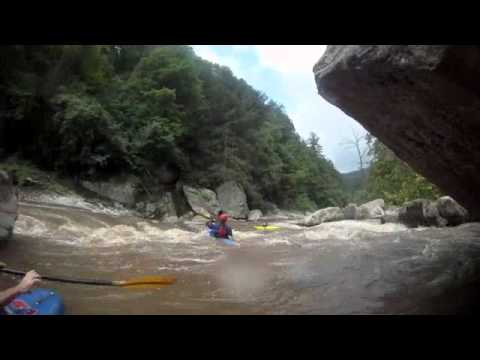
(121, 189)
(270, 208)
(420, 212)
(233, 200)
(202, 201)
(371, 210)
(391, 215)
(350, 212)
(8, 206)
(170, 219)
(160, 206)
(451, 211)
(255, 215)
(290, 215)
(324, 215)
(422, 101)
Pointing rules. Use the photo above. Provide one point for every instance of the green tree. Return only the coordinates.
(393, 180)
(97, 110)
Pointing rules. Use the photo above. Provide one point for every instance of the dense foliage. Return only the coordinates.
(391, 179)
(103, 109)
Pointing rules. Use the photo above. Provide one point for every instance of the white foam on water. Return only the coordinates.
(72, 232)
(194, 260)
(201, 247)
(165, 236)
(174, 268)
(284, 225)
(177, 236)
(350, 229)
(27, 225)
(277, 241)
(246, 235)
(125, 234)
(243, 279)
(118, 234)
(282, 263)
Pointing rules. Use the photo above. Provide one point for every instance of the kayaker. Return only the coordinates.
(220, 228)
(31, 278)
(214, 220)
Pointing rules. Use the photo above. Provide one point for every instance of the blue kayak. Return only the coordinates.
(228, 242)
(36, 302)
(224, 241)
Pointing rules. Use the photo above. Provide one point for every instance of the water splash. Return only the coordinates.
(244, 275)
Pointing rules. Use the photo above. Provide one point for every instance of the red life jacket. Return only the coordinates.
(222, 231)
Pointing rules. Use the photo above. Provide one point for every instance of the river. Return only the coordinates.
(346, 267)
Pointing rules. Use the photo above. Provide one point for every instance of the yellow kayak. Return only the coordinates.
(268, 227)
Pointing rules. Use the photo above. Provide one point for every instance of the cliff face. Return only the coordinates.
(422, 101)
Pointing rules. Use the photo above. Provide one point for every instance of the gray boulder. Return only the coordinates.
(350, 212)
(421, 212)
(158, 207)
(187, 216)
(421, 101)
(323, 215)
(372, 210)
(255, 215)
(202, 201)
(287, 215)
(270, 208)
(122, 189)
(8, 206)
(451, 211)
(198, 219)
(170, 219)
(233, 200)
(391, 215)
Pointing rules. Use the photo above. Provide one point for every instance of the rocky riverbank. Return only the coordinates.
(445, 211)
(354, 261)
(179, 203)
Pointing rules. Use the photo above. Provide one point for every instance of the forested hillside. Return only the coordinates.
(393, 180)
(99, 110)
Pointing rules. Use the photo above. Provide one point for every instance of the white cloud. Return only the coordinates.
(293, 69)
(285, 58)
(290, 58)
(242, 47)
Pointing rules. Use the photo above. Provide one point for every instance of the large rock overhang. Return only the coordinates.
(422, 101)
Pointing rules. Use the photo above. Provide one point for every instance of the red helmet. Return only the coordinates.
(223, 217)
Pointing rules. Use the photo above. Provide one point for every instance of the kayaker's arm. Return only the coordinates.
(30, 279)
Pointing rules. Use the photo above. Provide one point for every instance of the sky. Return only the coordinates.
(285, 74)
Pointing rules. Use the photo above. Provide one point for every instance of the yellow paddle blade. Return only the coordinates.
(268, 227)
(148, 281)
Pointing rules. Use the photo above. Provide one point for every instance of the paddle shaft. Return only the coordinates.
(72, 281)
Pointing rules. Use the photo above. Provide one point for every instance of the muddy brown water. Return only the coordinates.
(289, 271)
